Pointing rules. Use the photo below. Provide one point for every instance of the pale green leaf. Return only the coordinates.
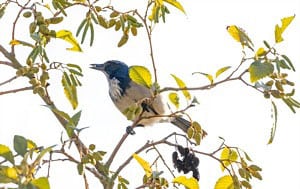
(260, 70)
(182, 85)
(43, 152)
(225, 182)
(189, 183)
(285, 22)
(273, 129)
(6, 153)
(20, 145)
(175, 4)
(228, 156)
(141, 75)
(173, 97)
(146, 166)
(41, 183)
(68, 36)
(222, 70)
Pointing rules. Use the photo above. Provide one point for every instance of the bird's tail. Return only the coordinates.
(184, 124)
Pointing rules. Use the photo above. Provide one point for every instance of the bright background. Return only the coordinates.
(197, 41)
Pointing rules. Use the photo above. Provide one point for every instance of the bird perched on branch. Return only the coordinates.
(125, 93)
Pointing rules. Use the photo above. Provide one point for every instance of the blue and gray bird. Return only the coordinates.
(124, 93)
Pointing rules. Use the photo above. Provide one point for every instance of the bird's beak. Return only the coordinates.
(97, 66)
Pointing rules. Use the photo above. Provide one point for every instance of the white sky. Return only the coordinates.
(197, 41)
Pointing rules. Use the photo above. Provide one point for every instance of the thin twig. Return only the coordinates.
(144, 20)
(9, 80)
(16, 90)
(6, 63)
(163, 160)
(15, 24)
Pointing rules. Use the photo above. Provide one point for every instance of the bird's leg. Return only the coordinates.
(147, 105)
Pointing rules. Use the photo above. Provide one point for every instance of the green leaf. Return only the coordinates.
(41, 183)
(80, 168)
(288, 61)
(123, 40)
(225, 182)
(182, 85)
(81, 26)
(173, 97)
(175, 4)
(6, 153)
(285, 22)
(75, 118)
(75, 66)
(189, 183)
(20, 145)
(222, 70)
(260, 70)
(68, 37)
(228, 156)
(146, 166)
(140, 75)
(273, 129)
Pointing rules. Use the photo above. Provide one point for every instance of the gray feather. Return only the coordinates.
(181, 123)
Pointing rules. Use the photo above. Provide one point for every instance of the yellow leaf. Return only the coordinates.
(174, 99)
(240, 36)
(285, 22)
(31, 145)
(208, 76)
(68, 36)
(278, 32)
(47, 6)
(181, 84)
(175, 4)
(70, 90)
(224, 182)
(14, 42)
(11, 172)
(141, 75)
(260, 52)
(227, 157)
(189, 183)
(41, 183)
(153, 12)
(221, 70)
(144, 164)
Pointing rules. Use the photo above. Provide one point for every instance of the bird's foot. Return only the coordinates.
(130, 131)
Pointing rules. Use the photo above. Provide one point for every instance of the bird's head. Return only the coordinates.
(112, 69)
(117, 75)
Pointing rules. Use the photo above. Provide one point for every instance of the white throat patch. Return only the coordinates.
(115, 90)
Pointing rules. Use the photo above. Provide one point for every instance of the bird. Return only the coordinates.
(124, 93)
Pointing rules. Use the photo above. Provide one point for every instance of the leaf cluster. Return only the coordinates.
(20, 167)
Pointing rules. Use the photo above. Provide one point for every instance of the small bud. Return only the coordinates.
(27, 14)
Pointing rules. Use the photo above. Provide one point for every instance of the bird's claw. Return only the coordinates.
(129, 130)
